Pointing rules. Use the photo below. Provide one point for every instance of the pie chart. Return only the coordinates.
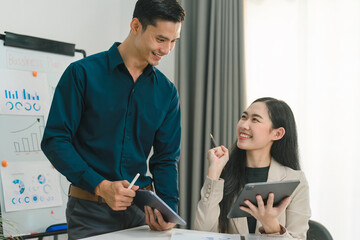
(19, 186)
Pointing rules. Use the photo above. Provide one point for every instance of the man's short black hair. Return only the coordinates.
(149, 11)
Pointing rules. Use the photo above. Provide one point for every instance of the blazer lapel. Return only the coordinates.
(277, 172)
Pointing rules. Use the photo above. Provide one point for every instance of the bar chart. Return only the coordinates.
(29, 137)
(10, 95)
(24, 136)
(13, 94)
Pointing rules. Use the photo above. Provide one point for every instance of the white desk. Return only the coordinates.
(139, 233)
(144, 233)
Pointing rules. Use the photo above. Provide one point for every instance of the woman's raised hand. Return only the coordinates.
(217, 157)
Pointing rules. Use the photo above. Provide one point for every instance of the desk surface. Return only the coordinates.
(139, 233)
(143, 232)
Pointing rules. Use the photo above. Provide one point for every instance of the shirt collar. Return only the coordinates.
(115, 60)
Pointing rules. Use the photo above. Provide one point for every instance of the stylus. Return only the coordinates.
(134, 180)
(213, 143)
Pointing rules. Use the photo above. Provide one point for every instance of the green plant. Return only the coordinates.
(3, 222)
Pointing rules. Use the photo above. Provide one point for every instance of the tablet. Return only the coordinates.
(149, 198)
(281, 190)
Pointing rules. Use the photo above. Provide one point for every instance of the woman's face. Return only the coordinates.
(254, 129)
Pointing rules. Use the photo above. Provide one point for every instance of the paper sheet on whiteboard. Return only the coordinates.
(23, 94)
(30, 185)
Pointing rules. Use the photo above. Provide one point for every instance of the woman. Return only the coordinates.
(266, 150)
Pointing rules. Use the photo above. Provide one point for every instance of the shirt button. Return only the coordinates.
(209, 186)
(207, 195)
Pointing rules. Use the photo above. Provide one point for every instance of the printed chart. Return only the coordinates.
(22, 93)
(29, 185)
(21, 134)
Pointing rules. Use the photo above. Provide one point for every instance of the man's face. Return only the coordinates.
(157, 41)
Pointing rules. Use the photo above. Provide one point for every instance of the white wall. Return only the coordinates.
(92, 25)
(308, 54)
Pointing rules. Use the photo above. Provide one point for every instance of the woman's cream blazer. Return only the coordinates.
(295, 217)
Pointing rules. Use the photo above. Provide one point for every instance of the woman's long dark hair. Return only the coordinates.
(285, 151)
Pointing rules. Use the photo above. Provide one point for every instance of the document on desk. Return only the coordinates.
(181, 234)
(198, 235)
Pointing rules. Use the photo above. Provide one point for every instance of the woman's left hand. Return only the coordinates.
(266, 214)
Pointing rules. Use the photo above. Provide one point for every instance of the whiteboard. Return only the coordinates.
(33, 195)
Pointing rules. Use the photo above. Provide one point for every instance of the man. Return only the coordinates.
(108, 110)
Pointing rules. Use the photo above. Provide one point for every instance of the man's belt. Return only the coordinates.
(79, 193)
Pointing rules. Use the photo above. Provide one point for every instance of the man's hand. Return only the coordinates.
(116, 194)
(156, 223)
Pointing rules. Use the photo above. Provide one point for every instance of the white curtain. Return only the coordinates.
(308, 54)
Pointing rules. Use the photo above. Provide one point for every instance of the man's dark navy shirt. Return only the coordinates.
(102, 125)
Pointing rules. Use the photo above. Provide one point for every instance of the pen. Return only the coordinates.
(134, 180)
(213, 143)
